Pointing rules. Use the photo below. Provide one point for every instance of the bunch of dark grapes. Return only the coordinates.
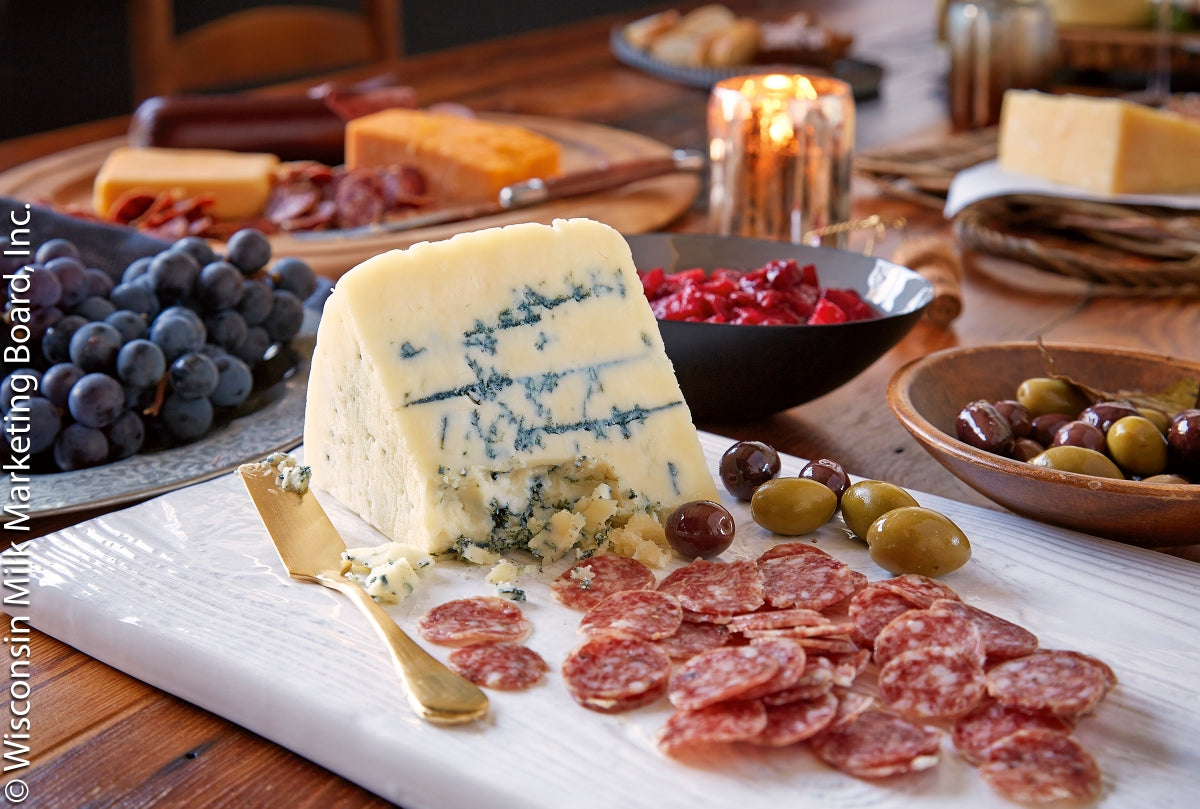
(151, 358)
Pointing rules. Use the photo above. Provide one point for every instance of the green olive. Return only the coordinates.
(1041, 395)
(792, 506)
(1080, 460)
(865, 501)
(1137, 446)
(1160, 419)
(917, 540)
(1171, 480)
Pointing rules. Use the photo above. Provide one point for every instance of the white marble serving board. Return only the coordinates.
(186, 593)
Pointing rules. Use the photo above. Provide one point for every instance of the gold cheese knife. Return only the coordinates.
(311, 550)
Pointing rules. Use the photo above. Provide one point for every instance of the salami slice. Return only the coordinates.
(737, 721)
(877, 744)
(923, 629)
(610, 673)
(789, 549)
(812, 581)
(502, 666)
(851, 705)
(847, 667)
(479, 619)
(777, 619)
(359, 198)
(871, 609)
(723, 589)
(828, 630)
(1002, 640)
(816, 681)
(673, 581)
(796, 721)
(720, 675)
(920, 591)
(692, 639)
(693, 617)
(1041, 766)
(1055, 682)
(937, 682)
(646, 614)
(978, 730)
(792, 661)
(590, 581)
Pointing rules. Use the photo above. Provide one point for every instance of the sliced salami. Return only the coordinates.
(692, 639)
(816, 680)
(812, 581)
(847, 667)
(789, 549)
(796, 721)
(792, 661)
(610, 673)
(871, 609)
(693, 617)
(723, 589)
(591, 580)
(720, 675)
(828, 630)
(479, 619)
(646, 614)
(978, 730)
(778, 619)
(673, 581)
(851, 705)
(1051, 681)
(1041, 766)
(1002, 640)
(937, 682)
(360, 199)
(877, 744)
(502, 666)
(920, 591)
(924, 629)
(737, 721)
(832, 645)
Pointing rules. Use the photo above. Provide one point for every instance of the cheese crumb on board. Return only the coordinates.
(387, 572)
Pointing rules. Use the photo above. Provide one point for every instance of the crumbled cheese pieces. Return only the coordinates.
(504, 390)
(387, 572)
(239, 183)
(1104, 145)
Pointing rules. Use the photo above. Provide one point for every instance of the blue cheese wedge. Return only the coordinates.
(504, 390)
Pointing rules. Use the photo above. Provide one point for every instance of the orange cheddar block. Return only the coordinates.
(460, 158)
(239, 183)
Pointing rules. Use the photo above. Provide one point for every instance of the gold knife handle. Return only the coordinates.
(435, 693)
(532, 192)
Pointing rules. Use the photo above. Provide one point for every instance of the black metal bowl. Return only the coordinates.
(733, 372)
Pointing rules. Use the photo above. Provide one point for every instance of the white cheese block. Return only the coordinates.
(468, 395)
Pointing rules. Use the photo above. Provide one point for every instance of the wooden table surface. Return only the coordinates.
(101, 738)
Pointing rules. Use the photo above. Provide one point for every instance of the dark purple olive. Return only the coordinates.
(1018, 415)
(700, 528)
(1079, 434)
(1025, 448)
(1103, 414)
(828, 472)
(747, 465)
(1183, 443)
(982, 426)
(1045, 426)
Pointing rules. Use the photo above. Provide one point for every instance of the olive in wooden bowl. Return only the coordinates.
(735, 371)
(927, 395)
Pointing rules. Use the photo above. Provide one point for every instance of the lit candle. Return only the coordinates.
(780, 147)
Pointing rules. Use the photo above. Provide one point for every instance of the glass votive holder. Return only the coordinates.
(780, 147)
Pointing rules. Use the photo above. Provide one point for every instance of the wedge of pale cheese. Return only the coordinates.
(1104, 145)
(239, 183)
(503, 390)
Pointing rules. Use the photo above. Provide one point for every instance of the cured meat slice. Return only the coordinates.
(847, 667)
(478, 619)
(591, 580)
(1057, 682)
(816, 680)
(360, 199)
(978, 730)
(923, 683)
(646, 614)
(924, 629)
(736, 721)
(673, 581)
(796, 721)
(691, 616)
(1002, 640)
(692, 639)
(871, 609)
(812, 581)
(829, 629)
(723, 589)
(920, 591)
(851, 705)
(792, 661)
(833, 645)
(776, 619)
(720, 675)
(877, 744)
(789, 549)
(1041, 766)
(610, 673)
(502, 666)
